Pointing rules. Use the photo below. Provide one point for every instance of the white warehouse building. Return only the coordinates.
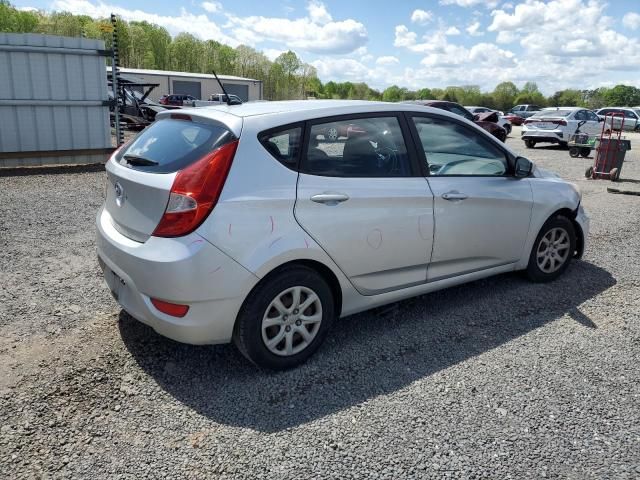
(198, 85)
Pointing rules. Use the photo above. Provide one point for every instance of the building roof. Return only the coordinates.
(139, 71)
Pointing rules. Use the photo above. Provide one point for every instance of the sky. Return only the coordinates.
(415, 44)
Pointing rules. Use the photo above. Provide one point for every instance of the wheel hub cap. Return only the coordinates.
(292, 320)
(553, 250)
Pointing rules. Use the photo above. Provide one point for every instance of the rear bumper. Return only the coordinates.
(186, 270)
(546, 136)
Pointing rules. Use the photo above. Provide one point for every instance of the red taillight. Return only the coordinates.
(195, 191)
(561, 122)
(172, 309)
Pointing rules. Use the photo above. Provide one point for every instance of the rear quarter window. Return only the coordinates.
(169, 145)
(283, 144)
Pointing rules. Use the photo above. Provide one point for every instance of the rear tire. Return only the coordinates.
(501, 135)
(574, 152)
(529, 143)
(269, 328)
(585, 152)
(553, 250)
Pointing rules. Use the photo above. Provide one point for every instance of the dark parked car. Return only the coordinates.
(176, 99)
(485, 120)
(515, 119)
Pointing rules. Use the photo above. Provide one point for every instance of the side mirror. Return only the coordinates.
(524, 167)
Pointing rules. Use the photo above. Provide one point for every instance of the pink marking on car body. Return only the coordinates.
(214, 270)
(275, 241)
(229, 229)
(306, 243)
(196, 242)
(272, 223)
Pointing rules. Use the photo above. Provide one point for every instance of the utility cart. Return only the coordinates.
(610, 151)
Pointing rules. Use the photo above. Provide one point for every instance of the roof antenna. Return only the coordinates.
(228, 101)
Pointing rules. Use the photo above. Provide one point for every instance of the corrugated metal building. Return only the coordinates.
(53, 100)
(198, 85)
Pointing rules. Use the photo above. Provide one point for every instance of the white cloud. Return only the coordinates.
(404, 37)
(318, 13)
(631, 20)
(212, 7)
(387, 60)
(452, 31)
(317, 33)
(421, 17)
(473, 29)
(471, 3)
(198, 25)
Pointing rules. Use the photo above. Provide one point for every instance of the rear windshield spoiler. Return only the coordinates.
(213, 116)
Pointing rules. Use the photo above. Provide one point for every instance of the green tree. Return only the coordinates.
(16, 21)
(392, 94)
(504, 96)
(622, 96)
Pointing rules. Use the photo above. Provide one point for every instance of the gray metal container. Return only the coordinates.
(53, 100)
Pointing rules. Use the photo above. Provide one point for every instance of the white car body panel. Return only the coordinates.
(264, 219)
(554, 133)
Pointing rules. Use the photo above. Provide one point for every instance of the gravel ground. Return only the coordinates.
(499, 378)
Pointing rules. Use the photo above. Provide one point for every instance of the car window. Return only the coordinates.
(580, 115)
(357, 147)
(463, 112)
(629, 114)
(592, 116)
(169, 145)
(283, 145)
(534, 107)
(453, 149)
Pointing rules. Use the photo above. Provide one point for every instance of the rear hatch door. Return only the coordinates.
(141, 174)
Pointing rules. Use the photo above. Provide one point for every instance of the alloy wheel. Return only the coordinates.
(291, 321)
(553, 250)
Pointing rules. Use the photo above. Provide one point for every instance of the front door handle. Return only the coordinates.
(330, 198)
(454, 196)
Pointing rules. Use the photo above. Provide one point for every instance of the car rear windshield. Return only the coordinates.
(170, 145)
(552, 113)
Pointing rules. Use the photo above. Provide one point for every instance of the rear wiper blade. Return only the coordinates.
(139, 161)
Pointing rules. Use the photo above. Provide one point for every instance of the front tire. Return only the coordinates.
(553, 250)
(285, 318)
(529, 143)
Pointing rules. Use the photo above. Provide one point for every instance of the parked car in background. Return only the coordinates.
(556, 125)
(515, 119)
(631, 117)
(525, 111)
(247, 225)
(176, 99)
(487, 121)
(222, 98)
(502, 121)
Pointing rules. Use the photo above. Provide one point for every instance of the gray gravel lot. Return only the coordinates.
(499, 378)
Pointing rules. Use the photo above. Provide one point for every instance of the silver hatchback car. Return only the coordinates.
(263, 223)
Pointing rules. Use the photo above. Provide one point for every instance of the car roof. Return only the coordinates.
(309, 109)
(563, 108)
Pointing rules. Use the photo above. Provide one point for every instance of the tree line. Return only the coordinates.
(148, 46)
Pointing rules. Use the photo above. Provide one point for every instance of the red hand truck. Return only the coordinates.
(610, 150)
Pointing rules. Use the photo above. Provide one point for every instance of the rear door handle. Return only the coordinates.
(330, 198)
(454, 196)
